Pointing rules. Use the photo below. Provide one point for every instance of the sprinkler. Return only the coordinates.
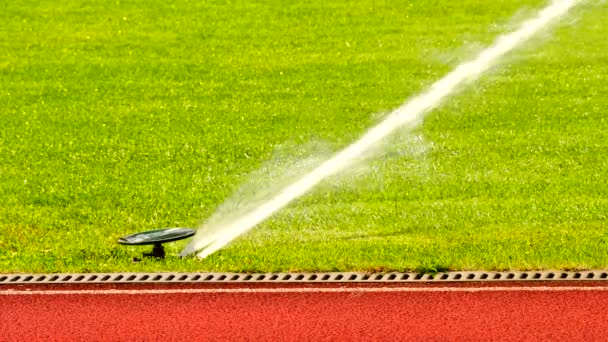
(157, 238)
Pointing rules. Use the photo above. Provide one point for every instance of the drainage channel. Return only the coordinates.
(335, 277)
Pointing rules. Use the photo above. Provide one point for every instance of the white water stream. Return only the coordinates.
(408, 114)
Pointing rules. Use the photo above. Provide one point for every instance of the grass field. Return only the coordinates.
(118, 117)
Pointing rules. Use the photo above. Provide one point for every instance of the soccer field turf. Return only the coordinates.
(119, 117)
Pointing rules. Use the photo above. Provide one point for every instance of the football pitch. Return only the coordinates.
(119, 117)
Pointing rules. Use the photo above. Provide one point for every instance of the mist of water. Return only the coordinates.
(408, 115)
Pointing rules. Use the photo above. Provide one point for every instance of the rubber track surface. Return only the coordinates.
(300, 312)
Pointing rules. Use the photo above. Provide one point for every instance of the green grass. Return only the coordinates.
(118, 117)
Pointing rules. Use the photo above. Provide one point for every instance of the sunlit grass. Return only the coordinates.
(118, 118)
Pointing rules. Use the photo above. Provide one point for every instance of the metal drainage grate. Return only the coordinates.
(333, 277)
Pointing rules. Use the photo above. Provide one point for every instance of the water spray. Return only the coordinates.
(408, 115)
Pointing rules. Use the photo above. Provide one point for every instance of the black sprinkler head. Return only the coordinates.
(157, 238)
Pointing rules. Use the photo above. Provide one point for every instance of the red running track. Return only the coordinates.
(302, 312)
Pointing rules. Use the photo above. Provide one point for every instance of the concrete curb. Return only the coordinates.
(329, 277)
